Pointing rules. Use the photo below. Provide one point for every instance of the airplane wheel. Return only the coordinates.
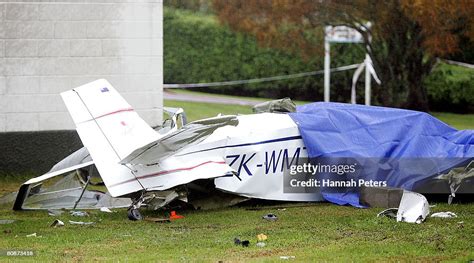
(134, 214)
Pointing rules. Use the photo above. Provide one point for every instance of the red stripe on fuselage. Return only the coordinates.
(166, 172)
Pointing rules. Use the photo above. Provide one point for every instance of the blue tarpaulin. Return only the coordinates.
(401, 147)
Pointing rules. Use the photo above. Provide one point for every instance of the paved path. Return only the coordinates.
(170, 95)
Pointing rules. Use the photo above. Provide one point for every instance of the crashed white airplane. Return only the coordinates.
(135, 161)
(244, 155)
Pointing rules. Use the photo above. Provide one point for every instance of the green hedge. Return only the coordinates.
(198, 49)
(451, 88)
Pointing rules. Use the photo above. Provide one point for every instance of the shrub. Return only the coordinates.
(451, 88)
(198, 49)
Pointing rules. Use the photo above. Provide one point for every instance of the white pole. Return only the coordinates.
(327, 64)
(355, 78)
(353, 93)
(367, 80)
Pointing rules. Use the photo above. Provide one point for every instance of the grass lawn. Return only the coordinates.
(459, 121)
(310, 232)
(322, 232)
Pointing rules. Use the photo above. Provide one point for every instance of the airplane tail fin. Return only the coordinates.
(110, 129)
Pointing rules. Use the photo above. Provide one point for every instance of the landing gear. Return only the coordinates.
(134, 214)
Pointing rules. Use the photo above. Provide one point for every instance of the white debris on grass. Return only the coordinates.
(444, 215)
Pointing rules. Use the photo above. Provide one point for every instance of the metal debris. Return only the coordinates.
(277, 106)
(78, 213)
(414, 208)
(444, 215)
(53, 212)
(80, 223)
(105, 210)
(261, 244)
(390, 212)
(270, 217)
(57, 223)
(455, 178)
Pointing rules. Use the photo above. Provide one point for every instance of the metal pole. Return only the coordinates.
(82, 193)
(367, 80)
(353, 94)
(327, 65)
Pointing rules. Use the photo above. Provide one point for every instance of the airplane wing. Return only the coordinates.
(25, 187)
(63, 189)
(189, 135)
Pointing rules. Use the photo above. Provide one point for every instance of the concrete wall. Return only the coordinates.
(51, 46)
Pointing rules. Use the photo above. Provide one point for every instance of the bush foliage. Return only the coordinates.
(451, 88)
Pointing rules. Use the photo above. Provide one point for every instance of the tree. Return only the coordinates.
(407, 35)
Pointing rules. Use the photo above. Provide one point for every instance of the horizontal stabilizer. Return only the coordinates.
(110, 129)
